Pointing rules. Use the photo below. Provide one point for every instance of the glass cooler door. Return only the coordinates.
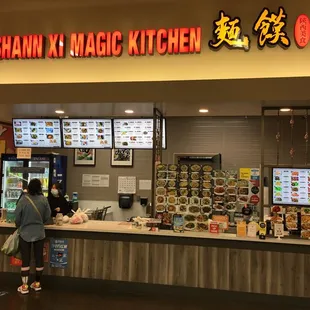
(43, 177)
(12, 187)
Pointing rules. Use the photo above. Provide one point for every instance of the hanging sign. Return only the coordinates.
(23, 153)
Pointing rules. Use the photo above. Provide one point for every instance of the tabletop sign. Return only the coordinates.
(23, 153)
(252, 230)
(59, 253)
(241, 229)
(214, 228)
(221, 219)
(278, 230)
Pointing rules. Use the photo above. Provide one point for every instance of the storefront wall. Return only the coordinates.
(237, 139)
(208, 65)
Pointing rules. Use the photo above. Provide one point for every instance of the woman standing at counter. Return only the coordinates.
(57, 201)
(32, 211)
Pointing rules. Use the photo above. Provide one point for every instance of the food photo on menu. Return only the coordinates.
(37, 133)
(79, 133)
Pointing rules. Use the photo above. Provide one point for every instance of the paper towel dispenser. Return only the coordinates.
(125, 201)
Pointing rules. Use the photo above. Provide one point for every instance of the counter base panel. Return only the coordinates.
(225, 269)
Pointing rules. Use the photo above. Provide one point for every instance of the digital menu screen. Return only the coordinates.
(291, 186)
(32, 133)
(135, 133)
(87, 133)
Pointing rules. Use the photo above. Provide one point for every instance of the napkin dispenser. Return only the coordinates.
(125, 201)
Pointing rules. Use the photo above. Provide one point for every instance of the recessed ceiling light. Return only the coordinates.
(59, 111)
(129, 111)
(203, 110)
(285, 110)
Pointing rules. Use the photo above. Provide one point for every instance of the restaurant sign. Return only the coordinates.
(269, 28)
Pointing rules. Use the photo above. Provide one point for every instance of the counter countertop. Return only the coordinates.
(125, 228)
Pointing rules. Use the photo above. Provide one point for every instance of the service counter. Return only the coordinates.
(114, 251)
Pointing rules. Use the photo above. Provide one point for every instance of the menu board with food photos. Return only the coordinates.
(185, 190)
(44, 133)
(135, 133)
(198, 193)
(291, 186)
(87, 133)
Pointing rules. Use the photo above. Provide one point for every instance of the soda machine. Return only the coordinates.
(16, 174)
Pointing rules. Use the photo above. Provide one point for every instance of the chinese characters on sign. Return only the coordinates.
(228, 31)
(302, 31)
(270, 29)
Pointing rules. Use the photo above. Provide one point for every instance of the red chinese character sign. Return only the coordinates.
(270, 28)
(227, 31)
(302, 31)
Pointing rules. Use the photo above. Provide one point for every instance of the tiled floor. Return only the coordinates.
(52, 299)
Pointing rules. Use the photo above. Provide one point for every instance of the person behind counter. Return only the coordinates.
(31, 212)
(57, 201)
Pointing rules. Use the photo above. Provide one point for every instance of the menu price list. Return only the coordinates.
(291, 186)
(37, 133)
(134, 133)
(80, 133)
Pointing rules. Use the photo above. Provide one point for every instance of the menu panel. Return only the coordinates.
(87, 133)
(135, 133)
(291, 186)
(32, 133)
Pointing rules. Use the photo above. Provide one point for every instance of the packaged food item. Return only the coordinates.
(178, 223)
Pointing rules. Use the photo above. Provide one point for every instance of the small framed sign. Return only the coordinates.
(122, 158)
(85, 157)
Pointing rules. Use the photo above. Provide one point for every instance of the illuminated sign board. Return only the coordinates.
(269, 29)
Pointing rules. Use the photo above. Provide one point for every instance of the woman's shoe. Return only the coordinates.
(36, 286)
(23, 289)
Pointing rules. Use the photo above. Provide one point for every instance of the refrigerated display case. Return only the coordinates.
(17, 173)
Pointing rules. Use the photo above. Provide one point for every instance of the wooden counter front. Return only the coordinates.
(224, 262)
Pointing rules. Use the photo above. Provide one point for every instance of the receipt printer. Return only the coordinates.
(125, 201)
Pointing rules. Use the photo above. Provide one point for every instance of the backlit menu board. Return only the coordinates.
(87, 133)
(291, 186)
(32, 133)
(135, 133)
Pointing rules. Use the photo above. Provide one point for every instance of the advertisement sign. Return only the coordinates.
(58, 253)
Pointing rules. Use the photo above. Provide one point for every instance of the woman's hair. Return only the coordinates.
(35, 187)
(58, 186)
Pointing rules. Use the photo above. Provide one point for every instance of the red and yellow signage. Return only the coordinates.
(269, 27)
(171, 41)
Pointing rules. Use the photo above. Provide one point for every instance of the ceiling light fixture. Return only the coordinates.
(59, 112)
(285, 110)
(129, 111)
(203, 110)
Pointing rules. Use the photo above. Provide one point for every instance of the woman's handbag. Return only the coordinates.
(11, 245)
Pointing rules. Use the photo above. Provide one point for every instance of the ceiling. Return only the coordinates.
(182, 98)
(169, 109)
